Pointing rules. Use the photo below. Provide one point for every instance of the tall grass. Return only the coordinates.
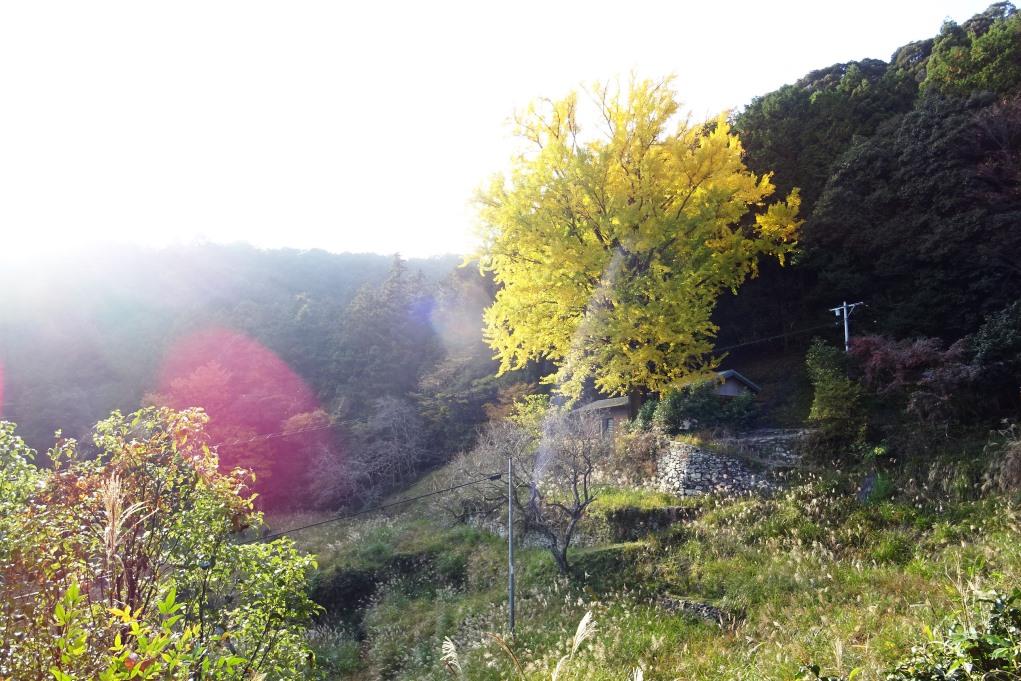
(810, 576)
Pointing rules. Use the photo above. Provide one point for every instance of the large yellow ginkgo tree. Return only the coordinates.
(610, 248)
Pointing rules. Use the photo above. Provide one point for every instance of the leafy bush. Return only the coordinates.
(646, 413)
(990, 649)
(984, 644)
(998, 340)
(971, 381)
(996, 349)
(698, 406)
(936, 386)
(155, 649)
(837, 402)
(883, 488)
(122, 566)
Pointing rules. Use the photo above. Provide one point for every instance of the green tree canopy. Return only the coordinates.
(921, 219)
(813, 132)
(610, 250)
(798, 130)
(386, 340)
(984, 54)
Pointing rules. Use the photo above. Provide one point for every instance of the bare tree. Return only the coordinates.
(553, 470)
(382, 451)
(498, 441)
(571, 449)
(391, 441)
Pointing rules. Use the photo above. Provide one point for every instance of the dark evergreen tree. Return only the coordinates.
(385, 340)
(922, 220)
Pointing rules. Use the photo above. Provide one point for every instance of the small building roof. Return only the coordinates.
(606, 404)
(737, 376)
(613, 402)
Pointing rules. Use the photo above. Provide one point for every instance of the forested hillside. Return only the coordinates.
(281, 464)
(267, 342)
(907, 174)
(908, 171)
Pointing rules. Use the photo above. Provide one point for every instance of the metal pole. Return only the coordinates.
(510, 542)
(845, 311)
(847, 330)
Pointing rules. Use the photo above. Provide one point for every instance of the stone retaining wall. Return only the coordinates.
(735, 465)
(687, 470)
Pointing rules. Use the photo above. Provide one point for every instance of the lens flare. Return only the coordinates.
(262, 415)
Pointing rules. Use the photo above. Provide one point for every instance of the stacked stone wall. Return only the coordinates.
(733, 465)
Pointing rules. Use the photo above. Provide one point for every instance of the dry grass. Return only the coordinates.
(814, 575)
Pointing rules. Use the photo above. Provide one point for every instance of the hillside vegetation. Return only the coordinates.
(891, 550)
(305, 471)
(812, 575)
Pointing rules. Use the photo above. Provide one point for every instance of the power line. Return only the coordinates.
(779, 335)
(845, 311)
(345, 516)
(270, 436)
(278, 434)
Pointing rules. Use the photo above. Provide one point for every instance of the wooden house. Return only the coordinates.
(613, 411)
(733, 384)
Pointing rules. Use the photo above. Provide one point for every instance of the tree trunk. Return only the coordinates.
(560, 557)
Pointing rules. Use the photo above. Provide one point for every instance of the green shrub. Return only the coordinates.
(698, 406)
(128, 565)
(882, 489)
(985, 643)
(893, 546)
(998, 340)
(646, 413)
(837, 399)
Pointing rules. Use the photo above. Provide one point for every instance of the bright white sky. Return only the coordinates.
(351, 126)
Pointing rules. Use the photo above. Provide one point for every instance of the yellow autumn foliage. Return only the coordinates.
(611, 248)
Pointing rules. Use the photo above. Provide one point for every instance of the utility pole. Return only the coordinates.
(510, 543)
(845, 311)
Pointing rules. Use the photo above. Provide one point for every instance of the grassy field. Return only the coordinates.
(812, 575)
